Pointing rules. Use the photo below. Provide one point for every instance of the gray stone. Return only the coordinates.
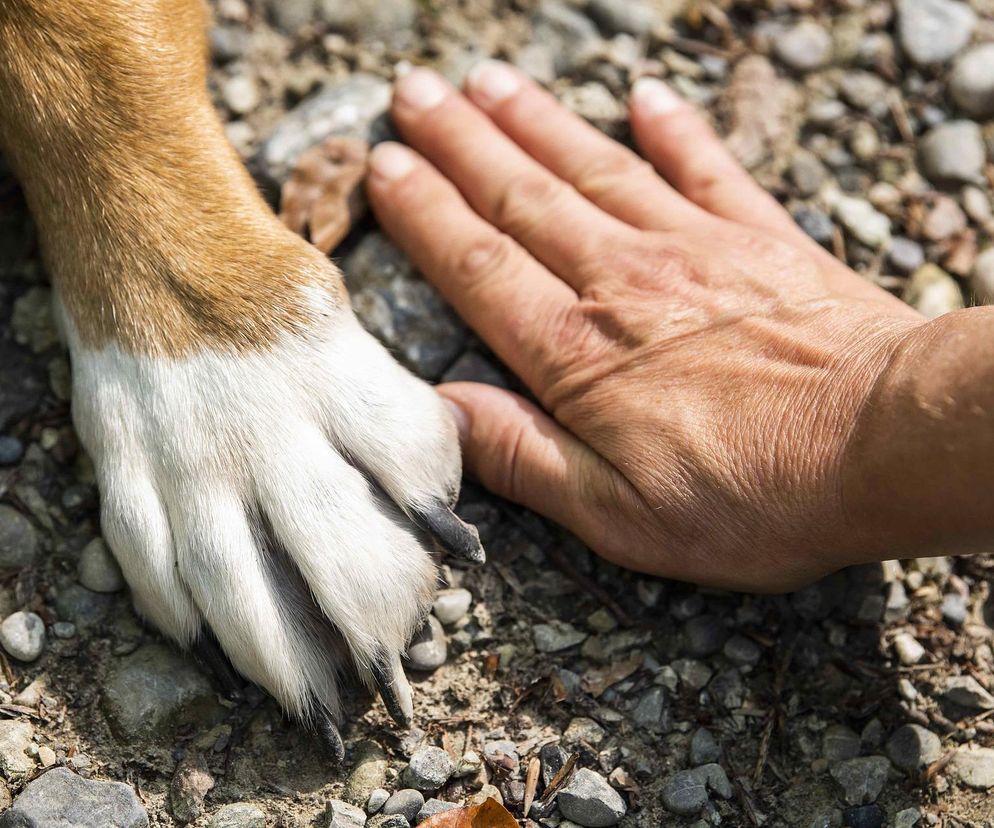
(861, 779)
(908, 818)
(953, 152)
(377, 799)
(83, 607)
(369, 773)
(451, 605)
(859, 217)
(971, 82)
(238, 815)
(433, 807)
(356, 107)
(240, 94)
(341, 814)
(933, 31)
(624, 16)
(704, 635)
(98, 570)
(552, 758)
(909, 650)
(11, 452)
(715, 780)
(704, 750)
(913, 747)
(742, 651)
(944, 219)
(905, 254)
(839, 743)
(428, 650)
(497, 748)
(150, 692)
(429, 769)
(973, 766)
(727, 689)
(685, 793)
(968, 693)
(370, 19)
(804, 46)
(401, 309)
(22, 635)
(61, 798)
(18, 539)
(693, 673)
(863, 90)
(982, 278)
(589, 800)
(556, 636)
(954, 609)
(581, 733)
(407, 802)
(570, 35)
(933, 292)
(653, 711)
(816, 224)
(15, 740)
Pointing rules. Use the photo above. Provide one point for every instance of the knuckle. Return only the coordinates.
(610, 171)
(524, 200)
(486, 256)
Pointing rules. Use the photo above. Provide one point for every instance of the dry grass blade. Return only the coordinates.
(491, 814)
(560, 779)
(531, 784)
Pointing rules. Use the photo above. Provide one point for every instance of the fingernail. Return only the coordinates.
(492, 82)
(654, 97)
(421, 89)
(391, 161)
(461, 418)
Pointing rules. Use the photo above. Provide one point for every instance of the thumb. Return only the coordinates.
(520, 453)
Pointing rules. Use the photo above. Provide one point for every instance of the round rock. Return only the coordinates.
(590, 801)
(377, 799)
(11, 450)
(953, 153)
(451, 605)
(685, 793)
(428, 650)
(703, 748)
(861, 779)
(429, 769)
(982, 278)
(932, 31)
(803, 47)
(407, 802)
(98, 570)
(971, 82)
(23, 635)
(18, 539)
(60, 797)
(913, 747)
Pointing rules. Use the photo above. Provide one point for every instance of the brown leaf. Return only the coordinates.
(596, 682)
(323, 196)
(531, 784)
(491, 814)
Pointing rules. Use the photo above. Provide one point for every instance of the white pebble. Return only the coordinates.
(23, 635)
(98, 571)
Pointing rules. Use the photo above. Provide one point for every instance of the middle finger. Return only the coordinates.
(503, 183)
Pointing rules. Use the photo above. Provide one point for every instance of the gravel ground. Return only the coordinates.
(863, 700)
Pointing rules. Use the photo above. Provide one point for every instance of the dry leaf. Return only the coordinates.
(491, 814)
(531, 784)
(323, 196)
(596, 682)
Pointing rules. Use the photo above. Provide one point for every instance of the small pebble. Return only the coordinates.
(429, 769)
(913, 747)
(11, 450)
(861, 779)
(905, 254)
(909, 650)
(864, 816)
(377, 798)
(839, 743)
(944, 219)
(933, 31)
(23, 635)
(704, 750)
(556, 636)
(428, 649)
(933, 292)
(451, 605)
(407, 802)
(858, 216)
(954, 609)
(98, 570)
(590, 801)
(816, 224)
(967, 692)
(804, 46)
(953, 152)
(238, 815)
(982, 278)
(971, 82)
(344, 815)
(241, 94)
(433, 807)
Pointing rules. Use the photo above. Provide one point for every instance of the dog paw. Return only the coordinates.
(278, 505)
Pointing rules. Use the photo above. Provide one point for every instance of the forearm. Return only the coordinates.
(919, 471)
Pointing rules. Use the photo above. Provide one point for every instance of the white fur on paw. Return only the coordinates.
(267, 497)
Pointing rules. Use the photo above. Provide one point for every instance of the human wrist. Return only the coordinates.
(918, 470)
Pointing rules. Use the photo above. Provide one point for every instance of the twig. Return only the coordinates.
(560, 779)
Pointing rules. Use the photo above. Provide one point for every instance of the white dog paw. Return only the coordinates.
(279, 502)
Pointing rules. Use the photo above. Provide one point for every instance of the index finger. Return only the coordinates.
(509, 298)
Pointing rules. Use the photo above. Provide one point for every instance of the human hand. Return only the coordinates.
(700, 365)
